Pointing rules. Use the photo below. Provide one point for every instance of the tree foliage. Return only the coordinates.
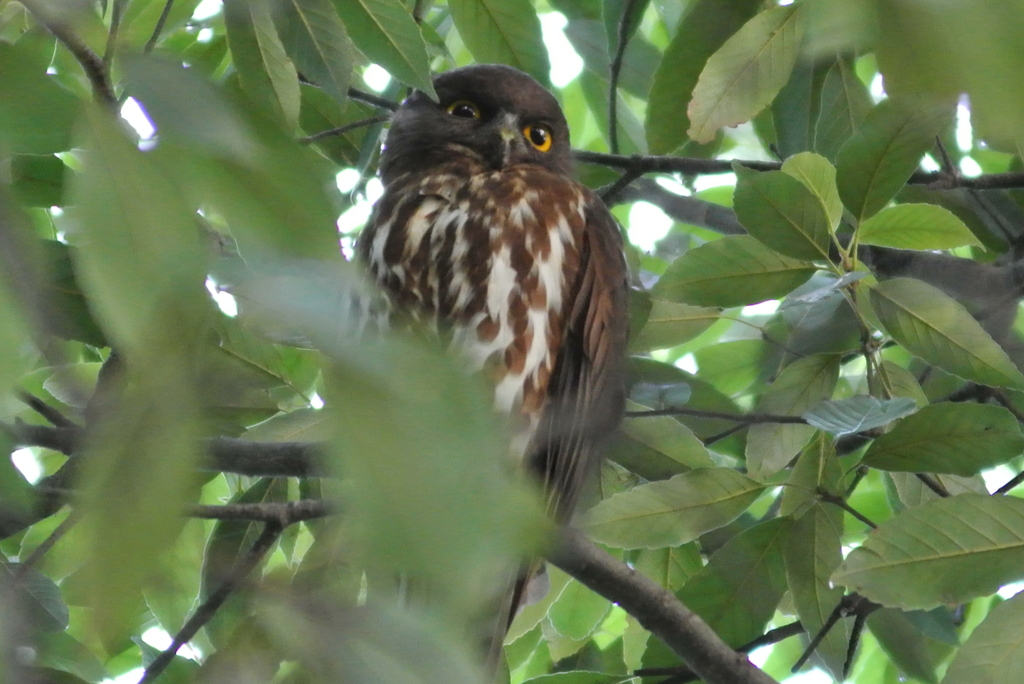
(210, 441)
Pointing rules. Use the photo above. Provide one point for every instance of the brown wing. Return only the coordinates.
(586, 394)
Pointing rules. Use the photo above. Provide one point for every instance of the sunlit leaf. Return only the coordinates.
(780, 211)
(731, 271)
(746, 73)
(931, 325)
(819, 176)
(959, 439)
(916, 226)
(672, 512)
(578, 611)
(943, 552)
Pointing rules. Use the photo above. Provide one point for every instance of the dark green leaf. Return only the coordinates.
(844, 104)
(782, 212)
(316, 40)
(37, 180)
(36, 114)
(503, 32)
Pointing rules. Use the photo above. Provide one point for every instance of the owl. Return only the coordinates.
(483, 233)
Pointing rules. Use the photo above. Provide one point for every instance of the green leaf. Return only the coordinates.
(37, 180)
(670, 567)
(780, 211)
(503, 32)
(672, 512)
(794, 110)
(947, 551)
(958, 439)
(732, 271)
(817, 468)
(910, 650)
(845, 102)
(36, 114)
(72, 318)
(931, 325)
(578, 611)
(38, 595)
(746, 73)
(322, 113)
(738, 590)
(732, 366)
(812, 552)
(316, 40)
(61, 651)
(994, 653)
(916, 226)
(878, 159)
(671, 323)
(802, 385)
(384, 31)
(819, 176)
(668, 436)
(576, 677)
(707, 24)
(300, 425)
(857, 413)
(266, 73)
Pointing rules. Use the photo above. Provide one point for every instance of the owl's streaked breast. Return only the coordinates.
(487, 257)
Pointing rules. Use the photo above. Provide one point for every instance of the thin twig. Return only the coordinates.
(115, 26)
(748, 418)
(53, 538)
(283, 514)
(933, 485)
(341, 130)
(1014, 481)
(858, 627)
(829, 497)
(83, 54)
(614, 68)
(850, 604)
(159, 27)
(372, 100)
(725, 433)
(51, 414)
(209, 608)
(609, 194)
(947, 162)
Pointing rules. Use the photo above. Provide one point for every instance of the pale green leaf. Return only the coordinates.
(672, 512)
(878, 159)
(668, 436)
(781, 211)
(953, 438)
(746, 73)
(916, 226)
(857, 413)
(670, 567)
(672, 323)
(994, 653)
(819, 176)
(943, 552)
(931, 325)
(732, 271)
(578, 611)
(502, 32)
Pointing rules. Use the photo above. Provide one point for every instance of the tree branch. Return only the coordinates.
(372, 100)
(281, 514)
(209, 608)
(658, 611)
(341, 130)
(747, 418)
(614, 69)
(159, 27)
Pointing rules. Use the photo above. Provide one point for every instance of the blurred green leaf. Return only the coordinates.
(671, 323)
(737, 592)
(61, 651)
(504, 32)
(993, 653)
(878, 159)
(747, 72)
(38, 596)
(857, 413)
(795, 109)
(706, 25)
(780, 211)
(931, 325)
(916, 226)
(264, 69)
(385, 32)
(36, 114)
(578, 611)
(732, 271)
(946, 551)
(959, 439)
(672, 512)
(37, 180)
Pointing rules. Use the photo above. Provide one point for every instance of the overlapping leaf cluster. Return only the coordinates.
(760, 448)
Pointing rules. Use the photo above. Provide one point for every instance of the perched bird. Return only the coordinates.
(483, 233)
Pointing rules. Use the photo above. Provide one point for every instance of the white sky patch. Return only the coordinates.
(226, 302)
(376, 78)
(374, 189)
(347, 179)
(672, 185)
(355, 217)
(688, 363)
(135, 115)
(566, 64)
(759, 656)
(27, 463)
(316, 401)
(647, 225)
(713, 180)
(877, 88)
(970, 168)
(1011, 590)
(205, 35)
(964, 131)
(158, 638)
(207, 9)
(766, 308)
(997, 477)
(928, 163)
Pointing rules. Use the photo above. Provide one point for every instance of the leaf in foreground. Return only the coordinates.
(672, 512)
(954, 438)
(938, 329)
(994, 654)
(947, 551)
(916, 226)
(858, 413)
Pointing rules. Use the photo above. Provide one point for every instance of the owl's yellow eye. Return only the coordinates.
(464, 109)
(539, 136)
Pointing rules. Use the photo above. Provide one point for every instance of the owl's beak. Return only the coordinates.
(511, 138)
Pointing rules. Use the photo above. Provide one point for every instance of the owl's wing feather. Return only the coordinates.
(586, 393)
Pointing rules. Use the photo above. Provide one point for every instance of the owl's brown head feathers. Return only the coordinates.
(493, 113)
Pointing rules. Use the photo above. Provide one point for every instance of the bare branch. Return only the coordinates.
(614, 69)
(657, 609)
(282, 514)
(341, 130)
(159, 27)
(51, 414)
(747, 418)
(372, 100)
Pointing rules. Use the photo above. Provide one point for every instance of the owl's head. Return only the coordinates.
(493, 113)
